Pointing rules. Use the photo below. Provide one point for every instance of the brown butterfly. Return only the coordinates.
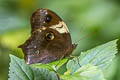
(50, 38)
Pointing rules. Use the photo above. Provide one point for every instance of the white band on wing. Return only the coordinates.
(61, 27)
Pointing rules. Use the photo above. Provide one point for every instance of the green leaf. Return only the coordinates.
(51, 66)
(44, 74)
(92, 61)
(100, 56)
(21, 71)
(39, 65)
(86, 72)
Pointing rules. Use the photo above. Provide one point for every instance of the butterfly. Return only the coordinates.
(50, 38)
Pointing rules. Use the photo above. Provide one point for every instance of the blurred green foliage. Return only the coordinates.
(99, 19)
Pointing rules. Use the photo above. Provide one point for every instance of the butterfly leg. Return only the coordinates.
(77, 59)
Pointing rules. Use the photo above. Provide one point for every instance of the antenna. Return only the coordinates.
(76, 42)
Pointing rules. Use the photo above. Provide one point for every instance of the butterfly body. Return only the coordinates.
(50, 39)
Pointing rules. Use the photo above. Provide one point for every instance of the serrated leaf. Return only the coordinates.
(44, 74)
(21, 71)
(100, 56)
(86, 72)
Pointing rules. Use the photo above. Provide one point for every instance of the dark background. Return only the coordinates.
(94, 22)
